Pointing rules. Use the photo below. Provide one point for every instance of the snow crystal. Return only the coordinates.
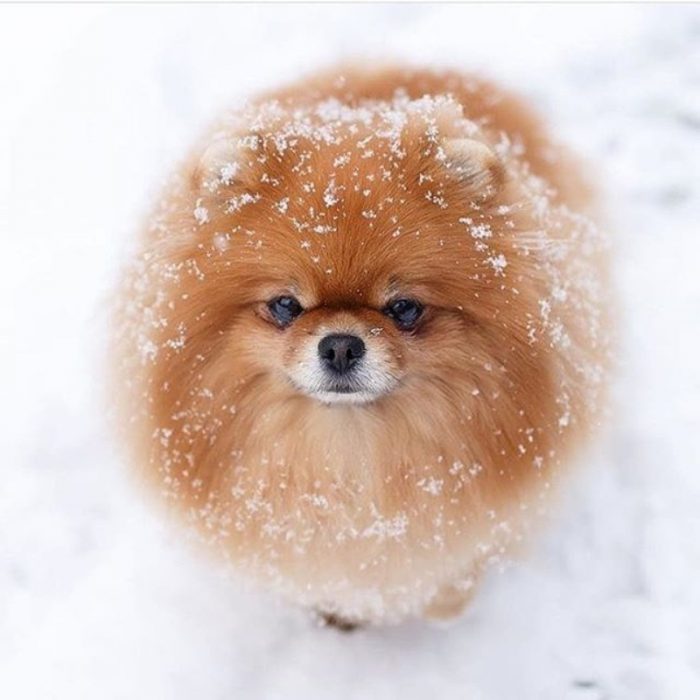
(330, 195)
(479, 231)
(431, 485)
(239, 201)
(221, 241)
(228, 173)
(498, 263)
(201, 213)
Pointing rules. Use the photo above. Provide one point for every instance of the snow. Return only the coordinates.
(100, 599)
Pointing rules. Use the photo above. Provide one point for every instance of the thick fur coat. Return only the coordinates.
(345, 193)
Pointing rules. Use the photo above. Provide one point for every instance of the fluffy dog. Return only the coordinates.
(363, 333)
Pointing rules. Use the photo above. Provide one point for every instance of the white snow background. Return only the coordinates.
(100, 599)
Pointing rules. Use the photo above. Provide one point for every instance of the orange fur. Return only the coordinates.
(346, 190)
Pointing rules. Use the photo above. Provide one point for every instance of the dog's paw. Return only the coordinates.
(342, 624)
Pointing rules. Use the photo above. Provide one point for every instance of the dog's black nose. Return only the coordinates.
(340, 352)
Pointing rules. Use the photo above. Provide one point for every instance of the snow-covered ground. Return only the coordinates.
(98, 599)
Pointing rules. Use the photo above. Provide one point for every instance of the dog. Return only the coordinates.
(363, 334)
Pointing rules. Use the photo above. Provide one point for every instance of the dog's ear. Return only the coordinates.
(224, 162)
(474, 165)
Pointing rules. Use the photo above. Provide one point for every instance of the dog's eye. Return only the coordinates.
(404, 312)
(284, 310)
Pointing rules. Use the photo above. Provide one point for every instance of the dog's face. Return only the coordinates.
(355, 255)
(345, 331)
(339, 353)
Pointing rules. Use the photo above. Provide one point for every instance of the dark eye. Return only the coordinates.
(405, 313)
(284, 309)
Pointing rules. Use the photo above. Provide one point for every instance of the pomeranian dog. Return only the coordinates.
(362, 335)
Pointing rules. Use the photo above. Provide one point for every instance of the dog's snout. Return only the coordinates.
(339, 352)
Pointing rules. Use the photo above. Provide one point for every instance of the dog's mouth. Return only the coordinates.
(360, 385)
(341, 391)
(346, 390)
(343, 388)
(344, 395)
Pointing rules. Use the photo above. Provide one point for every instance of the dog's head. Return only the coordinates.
(353, 254)
(381, 259)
